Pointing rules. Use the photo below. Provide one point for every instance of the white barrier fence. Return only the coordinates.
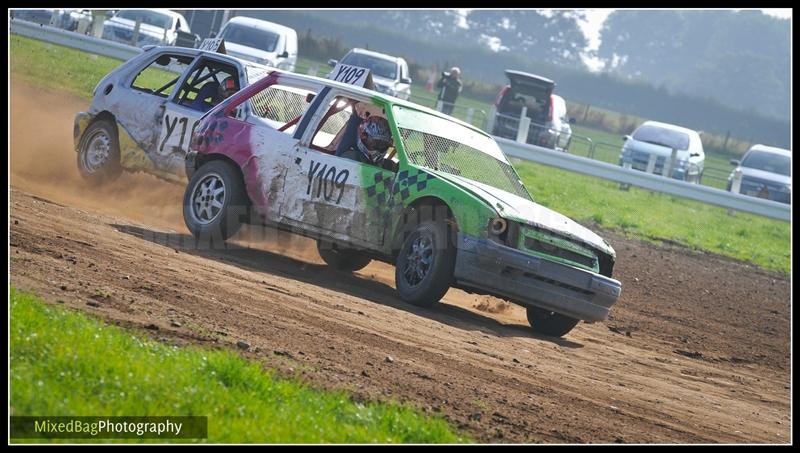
(537, 154)
(644, 180)
(74, 40)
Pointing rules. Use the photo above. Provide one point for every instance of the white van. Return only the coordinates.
(260, 41)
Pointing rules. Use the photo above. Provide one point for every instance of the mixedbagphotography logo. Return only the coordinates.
(166, 427)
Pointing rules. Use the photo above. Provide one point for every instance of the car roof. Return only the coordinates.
(364, 92)
(770, 149)
(669, 126)
(372, 53)
(197, 52)
(261, 24)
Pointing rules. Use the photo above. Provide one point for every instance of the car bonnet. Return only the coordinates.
(513, 207)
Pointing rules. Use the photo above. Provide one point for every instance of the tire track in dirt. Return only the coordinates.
(697, 350)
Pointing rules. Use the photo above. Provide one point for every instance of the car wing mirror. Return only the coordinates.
(572, 120)
(735, 162)
(405, 80)
(626, 137)
(694, 154)
(285, 54)
(332, 62)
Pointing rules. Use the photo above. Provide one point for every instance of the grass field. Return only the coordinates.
(66, 363)
(638, 213)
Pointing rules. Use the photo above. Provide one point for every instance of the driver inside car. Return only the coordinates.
(373, 139)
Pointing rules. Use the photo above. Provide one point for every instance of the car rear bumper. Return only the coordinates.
(533, 281)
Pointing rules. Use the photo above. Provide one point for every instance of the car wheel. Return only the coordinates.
(550, 323)
(425, 264)
(215, 202)
(98, 153)
(340, 258)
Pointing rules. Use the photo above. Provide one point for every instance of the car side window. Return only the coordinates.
(160, 76)
(332, 127)
(281, 106)
(201, 90)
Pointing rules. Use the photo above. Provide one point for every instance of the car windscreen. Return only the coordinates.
(773, 163)
(153, 18)
(378, 66)
(662, 136)
(250, 37)
(443, 145)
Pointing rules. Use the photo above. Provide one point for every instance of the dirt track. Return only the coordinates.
(697, 350)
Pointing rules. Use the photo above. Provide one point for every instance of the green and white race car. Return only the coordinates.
(442, 203)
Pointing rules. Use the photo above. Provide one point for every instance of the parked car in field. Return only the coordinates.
(142, 113)
(42, 16)
(550, 124)
(78, 20)
(656, 139)
(158, 27)
(67, 19)
(440, 200)
(766, 173)
(260, 41)
(390, 74)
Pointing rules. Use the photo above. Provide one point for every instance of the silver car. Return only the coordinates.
(143, 113)
(765, 173)
(651, 146)
(389, 73)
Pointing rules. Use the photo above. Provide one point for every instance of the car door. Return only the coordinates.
(181, 114)
(142, 111)
(335, 196)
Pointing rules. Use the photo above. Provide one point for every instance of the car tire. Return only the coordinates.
(342, 259)
(425, 264)
(550, 323)
(98, 153)
(215, 202)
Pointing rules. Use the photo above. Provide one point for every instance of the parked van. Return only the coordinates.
(260, 41)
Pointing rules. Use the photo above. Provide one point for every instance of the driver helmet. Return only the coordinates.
(374, 138)
(228, 86)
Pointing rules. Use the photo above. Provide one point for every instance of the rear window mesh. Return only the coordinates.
(456, 158)
(278, 104)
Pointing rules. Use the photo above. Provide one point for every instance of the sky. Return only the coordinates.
(595, 18)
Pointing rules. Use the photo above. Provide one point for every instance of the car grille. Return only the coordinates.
(554, 245)
(640, 160)
(764, 189)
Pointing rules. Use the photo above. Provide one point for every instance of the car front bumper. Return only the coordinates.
(533, 281)
(82, 120)
(640, 162)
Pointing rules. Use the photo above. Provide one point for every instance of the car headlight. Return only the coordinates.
(498, 226)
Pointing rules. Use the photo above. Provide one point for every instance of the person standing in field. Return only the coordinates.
(450, 87)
